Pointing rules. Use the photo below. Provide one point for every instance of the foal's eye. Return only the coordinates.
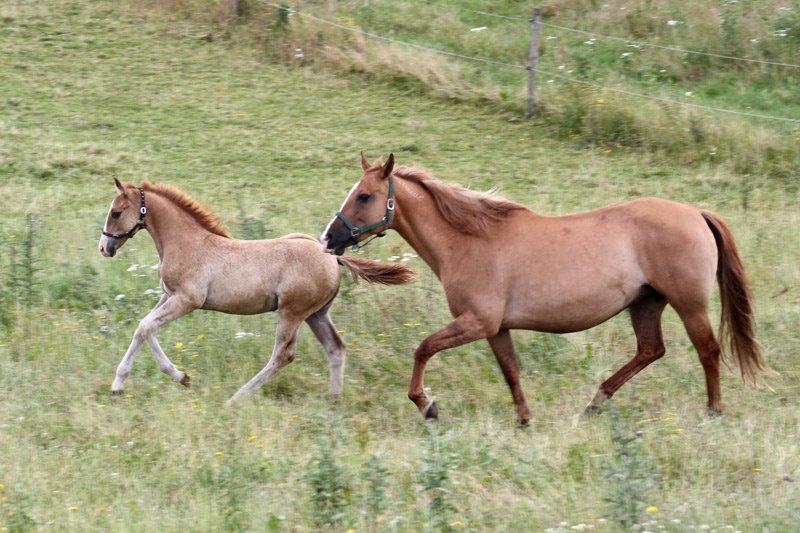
(116, 214)
(363, 197)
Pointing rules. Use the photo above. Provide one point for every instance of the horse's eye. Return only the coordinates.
(363, 197)
(116, 214)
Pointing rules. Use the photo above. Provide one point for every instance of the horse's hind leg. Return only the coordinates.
(282, 354)
(646, 321)
(503, 349)
(700, 332)
(323, 328)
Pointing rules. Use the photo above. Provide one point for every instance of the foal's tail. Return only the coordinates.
(375, 272)
(737, 330)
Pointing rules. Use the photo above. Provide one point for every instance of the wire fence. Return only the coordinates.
(556, 75)
(643, 44)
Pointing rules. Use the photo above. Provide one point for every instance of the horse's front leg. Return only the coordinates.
(168, 309)
(125, 365)
(464, 329)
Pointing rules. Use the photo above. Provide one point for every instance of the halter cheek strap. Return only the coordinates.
(385, 222)
(139, 223)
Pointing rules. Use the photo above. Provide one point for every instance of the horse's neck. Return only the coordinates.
(423, 227)
(172, 229)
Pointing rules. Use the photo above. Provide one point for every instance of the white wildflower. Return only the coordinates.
(133, 267)
(673, 23)
(479, 28)
(119, 297)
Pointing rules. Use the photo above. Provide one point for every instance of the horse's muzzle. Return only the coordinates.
(108, 246)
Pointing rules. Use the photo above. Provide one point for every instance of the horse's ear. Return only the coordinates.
(364, 162)
(389, 166)
(120, 188)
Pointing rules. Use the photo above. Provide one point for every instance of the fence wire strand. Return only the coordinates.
(662, 99)
(643, 44)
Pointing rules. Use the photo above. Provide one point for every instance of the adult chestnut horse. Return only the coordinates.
(505, 267)
(201, 267)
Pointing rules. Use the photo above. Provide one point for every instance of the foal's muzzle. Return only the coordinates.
(108, 246)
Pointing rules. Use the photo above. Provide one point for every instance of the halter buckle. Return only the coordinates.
(143, 210)
(390, 204)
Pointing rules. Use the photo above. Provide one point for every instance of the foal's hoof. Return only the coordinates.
(431, 412)
(185, 380)
(119, 392)
(714, 412)
(522, 422)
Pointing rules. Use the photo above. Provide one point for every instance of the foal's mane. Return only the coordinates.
(202, 214)
(468, 211)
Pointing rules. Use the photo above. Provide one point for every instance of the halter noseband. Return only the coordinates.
(385, 222)
(139, 223)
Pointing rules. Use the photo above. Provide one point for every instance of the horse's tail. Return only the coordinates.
(737, 328)
(375, 272)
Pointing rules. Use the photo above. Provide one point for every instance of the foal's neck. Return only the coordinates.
(420, 223)
(171, 228)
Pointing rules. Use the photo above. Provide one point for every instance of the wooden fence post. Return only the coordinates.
(533, 59)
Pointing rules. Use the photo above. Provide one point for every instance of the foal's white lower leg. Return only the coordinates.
(282, 355)
(168, 308)
(124, 367)
(326, 334)
(165, 365)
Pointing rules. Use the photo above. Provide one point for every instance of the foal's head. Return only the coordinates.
(125, 218)
(367, 210)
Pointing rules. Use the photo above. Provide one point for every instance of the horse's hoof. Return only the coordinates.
(117, 392)
(523, 422)
(591, 410)
(185, 380)
(431, 412)
(714, 412)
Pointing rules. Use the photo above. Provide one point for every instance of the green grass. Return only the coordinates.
(90, 89)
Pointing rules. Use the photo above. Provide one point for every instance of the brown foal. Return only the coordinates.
(201, 267)
(504, 267)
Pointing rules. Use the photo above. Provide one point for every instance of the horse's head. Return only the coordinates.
(367, 210)
(125, 217)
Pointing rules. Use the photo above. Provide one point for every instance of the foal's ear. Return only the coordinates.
(388, 166)
(364, 162)
(120, 188)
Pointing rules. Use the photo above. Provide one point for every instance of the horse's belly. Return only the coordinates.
(570, 308)
(241, 300)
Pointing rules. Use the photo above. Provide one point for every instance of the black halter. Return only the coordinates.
(139, 223)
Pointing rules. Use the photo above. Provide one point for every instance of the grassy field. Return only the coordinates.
(93, 89)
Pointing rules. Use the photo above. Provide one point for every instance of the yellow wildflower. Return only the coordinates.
(73, 508)
(218, 453)
(179, 345)
(652, 509)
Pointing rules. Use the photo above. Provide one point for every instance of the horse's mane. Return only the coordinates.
(468, 211)
(202, 214)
